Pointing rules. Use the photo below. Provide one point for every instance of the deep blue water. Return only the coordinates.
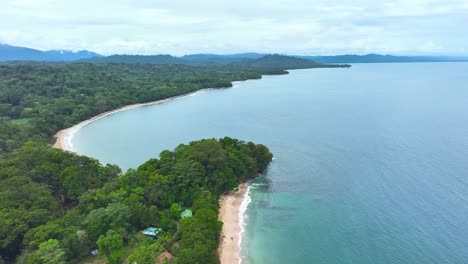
(371, 162)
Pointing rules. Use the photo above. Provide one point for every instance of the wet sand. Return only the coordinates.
(229, 246)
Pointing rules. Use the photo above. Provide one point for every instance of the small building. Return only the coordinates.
(165, 255)
(186, 213)
(153, 232)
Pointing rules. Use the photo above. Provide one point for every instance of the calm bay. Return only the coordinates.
(371, 162)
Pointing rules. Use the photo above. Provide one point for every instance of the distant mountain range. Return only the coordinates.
(377, 58)
(213, 58)
(195, 59)
(12, 53)
(285, 62)
(253, 60)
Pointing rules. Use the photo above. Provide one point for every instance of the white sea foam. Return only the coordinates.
(242, 217)
(259, 184)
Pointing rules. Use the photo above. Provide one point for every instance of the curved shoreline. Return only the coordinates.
(64, 136)
(233, 204)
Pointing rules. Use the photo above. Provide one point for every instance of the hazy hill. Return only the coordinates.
(346, 58)
(286, 62)
(149, 59)
(377, 58)
(195, 59)
(12, 53)
(221, 58)
(253, 60)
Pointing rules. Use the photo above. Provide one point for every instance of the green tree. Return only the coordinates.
(14, 223)
(175, 210)
(210, 153)
(72, 182)
(50, 252)
(146, 254)
(99, 221)
(198, 254)
(34, 237)
(263, 156)
(110, 245)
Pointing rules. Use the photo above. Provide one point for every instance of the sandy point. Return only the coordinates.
(229, 213)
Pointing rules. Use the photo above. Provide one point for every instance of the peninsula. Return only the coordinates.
(75, 205)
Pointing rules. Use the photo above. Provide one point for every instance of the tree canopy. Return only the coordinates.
(59, 206)
(41, 216)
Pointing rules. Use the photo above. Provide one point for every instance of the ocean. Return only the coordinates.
(370, 163)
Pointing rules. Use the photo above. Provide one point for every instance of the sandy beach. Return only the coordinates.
(63, 137)
(231, 203)
(229, 246)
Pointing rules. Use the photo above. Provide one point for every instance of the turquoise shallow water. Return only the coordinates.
(371, 163)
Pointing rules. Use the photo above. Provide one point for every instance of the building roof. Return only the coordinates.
(186, 213)
(165, 255)
(151, 231)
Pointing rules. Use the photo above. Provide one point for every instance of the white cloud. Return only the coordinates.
(181, 27)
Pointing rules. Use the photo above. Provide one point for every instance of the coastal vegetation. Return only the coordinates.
(37, 100)
(58, 207)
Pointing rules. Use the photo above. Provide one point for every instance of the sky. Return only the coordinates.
(178, 27)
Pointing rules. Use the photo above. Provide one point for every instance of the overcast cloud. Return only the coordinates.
(212, 26)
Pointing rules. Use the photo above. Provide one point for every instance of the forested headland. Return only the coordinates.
(56, 206)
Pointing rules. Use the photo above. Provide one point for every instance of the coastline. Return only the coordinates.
(233, 205)
(64, 136)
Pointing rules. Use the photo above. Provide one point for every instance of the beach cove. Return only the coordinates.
(64, 136)
(232, 204)
(363, 172)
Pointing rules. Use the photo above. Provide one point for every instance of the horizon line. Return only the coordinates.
(415, 54)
